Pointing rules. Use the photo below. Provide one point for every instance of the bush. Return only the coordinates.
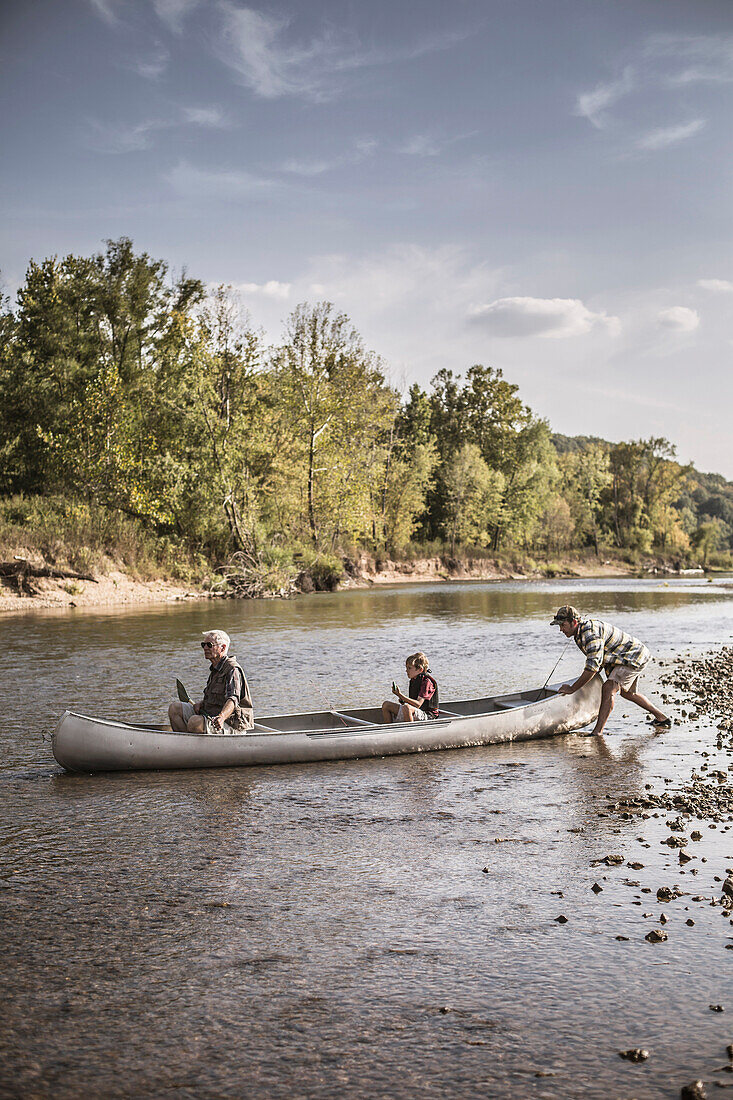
(89, 538)
(319, 572)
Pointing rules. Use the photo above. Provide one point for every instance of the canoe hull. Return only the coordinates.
(84, 744)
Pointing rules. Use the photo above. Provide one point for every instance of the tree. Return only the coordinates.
(473, 495)
(585, 474)
(334, 412)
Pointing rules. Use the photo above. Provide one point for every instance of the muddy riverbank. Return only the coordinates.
(117, 587)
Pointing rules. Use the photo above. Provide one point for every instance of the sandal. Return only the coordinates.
(662, 723)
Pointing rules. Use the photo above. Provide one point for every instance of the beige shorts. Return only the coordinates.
(625, 677)
(188, 712)
(417, 715)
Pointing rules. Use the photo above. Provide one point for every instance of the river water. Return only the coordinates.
(381, 928)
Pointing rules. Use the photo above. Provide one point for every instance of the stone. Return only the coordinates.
(656, 936)
(694, 1091)
(596, 888)
(636, 1054)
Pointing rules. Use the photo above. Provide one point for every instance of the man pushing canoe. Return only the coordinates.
(621, 656)
(227, 704)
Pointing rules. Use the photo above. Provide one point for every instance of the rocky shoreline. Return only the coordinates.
(700, 695)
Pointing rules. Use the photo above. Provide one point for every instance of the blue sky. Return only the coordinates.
(538, 185)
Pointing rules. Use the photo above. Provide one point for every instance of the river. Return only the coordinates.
(381, 928)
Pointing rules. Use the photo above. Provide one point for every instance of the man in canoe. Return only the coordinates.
(621, 656)
(227, 704)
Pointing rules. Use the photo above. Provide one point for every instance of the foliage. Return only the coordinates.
(146, 421)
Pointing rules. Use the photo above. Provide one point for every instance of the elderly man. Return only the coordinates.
(621, 656)
(227, 704)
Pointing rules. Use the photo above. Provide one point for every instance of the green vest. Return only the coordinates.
(215, 694)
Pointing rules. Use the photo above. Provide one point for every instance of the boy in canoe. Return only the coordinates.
(621, 656)
(422, 702)
(227, 704)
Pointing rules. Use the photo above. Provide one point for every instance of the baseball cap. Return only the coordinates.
(565, 614)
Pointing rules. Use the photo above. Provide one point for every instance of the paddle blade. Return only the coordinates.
(182, 693)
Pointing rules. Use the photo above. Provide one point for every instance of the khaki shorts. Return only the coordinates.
(417, 715)
(625, 677)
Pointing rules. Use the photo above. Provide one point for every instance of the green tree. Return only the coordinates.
(335, 411)
(473, 495)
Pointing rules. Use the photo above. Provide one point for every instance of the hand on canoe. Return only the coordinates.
(566, 689)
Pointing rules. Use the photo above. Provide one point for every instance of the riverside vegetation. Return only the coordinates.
(146, 425)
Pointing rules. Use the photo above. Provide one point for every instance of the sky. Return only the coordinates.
(542, 186)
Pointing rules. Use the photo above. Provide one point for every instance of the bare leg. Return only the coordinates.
(644, 703)
(607, 693)
(389, 710)
(196, 724)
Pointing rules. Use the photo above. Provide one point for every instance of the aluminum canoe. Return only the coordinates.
(83, 744)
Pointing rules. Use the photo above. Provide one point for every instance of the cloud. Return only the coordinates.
(362, 149)
(106, 10)
(678, 319)
(199, 183)
(254, 45)
(254, 48)
(692, 59)
(670, 135)
(110, 138)
(130, 138)
(547, 317)
(174, 12)
(659, 68)
(270, 289)
(720, 286)
(420, 145)
(210, 117)
(154, 66)
(592, 105)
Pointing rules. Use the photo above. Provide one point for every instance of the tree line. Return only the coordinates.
(156, 397)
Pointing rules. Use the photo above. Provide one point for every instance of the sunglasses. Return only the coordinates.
(208, 645)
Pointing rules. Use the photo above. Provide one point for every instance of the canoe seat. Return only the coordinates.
(266, 729)
(450, 713)
(349, 720)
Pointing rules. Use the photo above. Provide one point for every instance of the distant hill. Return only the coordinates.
(710, 498)
(569, 443)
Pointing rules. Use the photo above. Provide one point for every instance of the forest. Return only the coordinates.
(146, 420)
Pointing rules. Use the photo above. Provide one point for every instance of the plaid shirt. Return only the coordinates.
(606, 646)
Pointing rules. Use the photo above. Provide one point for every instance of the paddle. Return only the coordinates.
(557, 662)
(182, 693)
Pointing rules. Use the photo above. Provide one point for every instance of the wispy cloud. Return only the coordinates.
(107, 10)
(719, 286)
(678, 319)
(692, 59)
(255, 45)
(174, 12)
(131, 137)
(153, 66)
(191, 182)
(593, 105)
(315, 166)
(670, 135)
(212, 118)
(421, 145)
(113, 138)
(546, 317)
(657, 70)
